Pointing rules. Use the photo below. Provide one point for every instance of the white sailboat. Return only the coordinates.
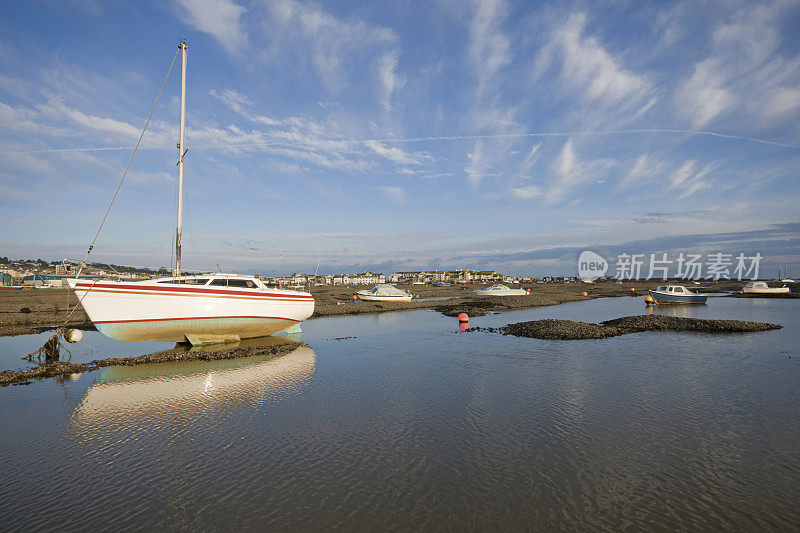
(198, 309)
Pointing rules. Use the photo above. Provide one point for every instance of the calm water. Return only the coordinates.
(415, 425)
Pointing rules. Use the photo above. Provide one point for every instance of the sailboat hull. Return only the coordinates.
(147, 311)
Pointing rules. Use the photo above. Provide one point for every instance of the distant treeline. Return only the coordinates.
(102, 266)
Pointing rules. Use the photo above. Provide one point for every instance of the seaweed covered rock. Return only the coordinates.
(634, 324)
(552, 329)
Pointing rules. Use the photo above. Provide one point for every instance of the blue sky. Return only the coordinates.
(402, 135)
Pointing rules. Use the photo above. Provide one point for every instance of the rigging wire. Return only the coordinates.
(119, 185)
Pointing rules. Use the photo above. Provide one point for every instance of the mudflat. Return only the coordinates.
(31, 310)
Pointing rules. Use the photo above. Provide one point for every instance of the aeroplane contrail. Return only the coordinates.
(434, 139)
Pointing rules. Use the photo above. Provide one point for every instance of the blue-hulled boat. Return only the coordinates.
(677, 294)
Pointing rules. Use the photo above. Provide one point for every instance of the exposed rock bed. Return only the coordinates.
(58, 368)
(554, 329)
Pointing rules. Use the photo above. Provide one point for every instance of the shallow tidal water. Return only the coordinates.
(401, 421)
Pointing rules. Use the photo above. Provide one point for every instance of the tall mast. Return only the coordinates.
(181, 152)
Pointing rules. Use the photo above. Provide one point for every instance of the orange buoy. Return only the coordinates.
(463, 326)
(584, 294)
(463, 317)
(354, 297)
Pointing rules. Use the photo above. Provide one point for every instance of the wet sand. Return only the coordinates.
(33, 310)
(462, 298)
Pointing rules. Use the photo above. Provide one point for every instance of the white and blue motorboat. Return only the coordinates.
(384, 293)
(677, 294)
(501, 290)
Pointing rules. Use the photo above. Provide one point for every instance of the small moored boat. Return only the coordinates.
(761, 287)
(677, 294)
(501, 290)
(384, 293)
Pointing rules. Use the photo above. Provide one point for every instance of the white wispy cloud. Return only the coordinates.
(222, 19)
(529, 192)
(331, 192)
(313, 141)
(689, 179)
(488, 53)
(586, 68)
(530, 159)
(335, 46)
(395, 194)
(397, 155)
(388, 76)
(643, 167)
(489, 48)
(746, 73)
(116, 129)
(477, 169)
(569, 173)
(232, 99)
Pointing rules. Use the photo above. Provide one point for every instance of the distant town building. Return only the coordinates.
(63, 270)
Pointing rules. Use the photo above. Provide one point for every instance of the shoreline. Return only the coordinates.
(32, 311)
(277, 346)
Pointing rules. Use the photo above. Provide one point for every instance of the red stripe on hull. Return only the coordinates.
(190, 318)
(190, 289)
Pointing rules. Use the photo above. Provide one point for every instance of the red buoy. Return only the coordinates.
(463, 326)
(354, 297)
(463, 317)
(584, 294)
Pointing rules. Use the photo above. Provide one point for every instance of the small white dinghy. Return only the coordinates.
(384, 293)
(761, 287)
(501, 290)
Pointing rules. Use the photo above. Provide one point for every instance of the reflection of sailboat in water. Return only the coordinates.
(122, 394)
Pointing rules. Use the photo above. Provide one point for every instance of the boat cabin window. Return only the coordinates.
(661, 289)
(186, 281)
(224, 282)
(678, 289)
(246, 283)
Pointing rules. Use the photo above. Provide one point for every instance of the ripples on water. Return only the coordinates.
(413, 425)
